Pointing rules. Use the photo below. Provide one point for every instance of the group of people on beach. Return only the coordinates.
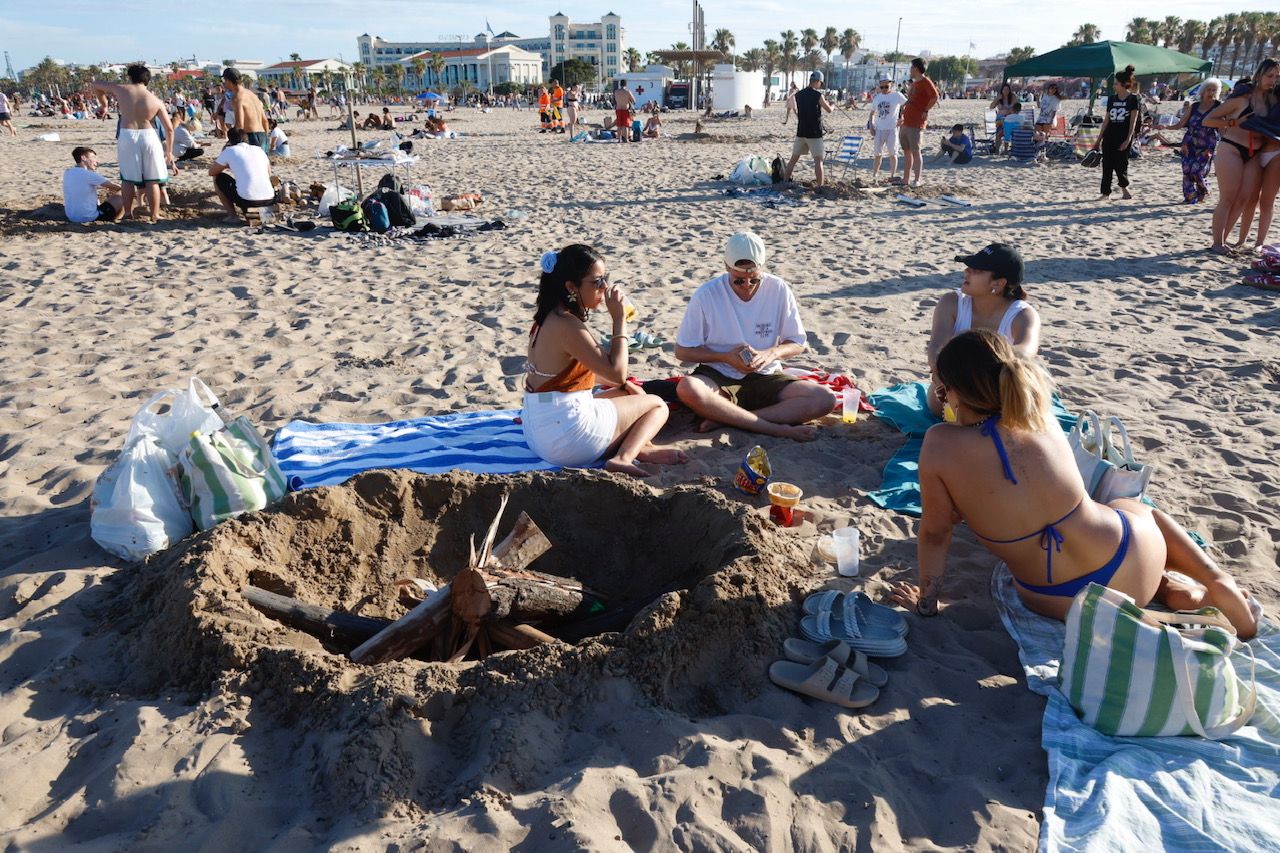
(997, 461)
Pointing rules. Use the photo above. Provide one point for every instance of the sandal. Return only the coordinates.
(644, 340)
(803, 651)
(877, 642)
(869, 612)
(825, 680)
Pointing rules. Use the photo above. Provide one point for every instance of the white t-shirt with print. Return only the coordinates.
(80, 193)
(887, 106)
(251, 169)
(719, 320)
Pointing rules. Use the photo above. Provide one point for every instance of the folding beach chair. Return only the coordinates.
(1022, 146)
(986, 144)
(1059, 128)
(849, 152)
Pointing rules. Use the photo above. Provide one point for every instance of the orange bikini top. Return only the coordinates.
(576, 376)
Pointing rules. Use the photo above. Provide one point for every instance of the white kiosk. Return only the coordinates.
(648, 85)
(733, 90)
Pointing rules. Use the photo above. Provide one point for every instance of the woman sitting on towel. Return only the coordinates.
(1005, 468)
(991, 298)
(564, 422)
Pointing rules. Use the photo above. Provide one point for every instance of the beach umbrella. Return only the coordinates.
(1102, 59)
(428, 96)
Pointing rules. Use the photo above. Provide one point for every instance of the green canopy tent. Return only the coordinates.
(1102, 59)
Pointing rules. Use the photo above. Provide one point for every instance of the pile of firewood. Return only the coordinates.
(489, 606)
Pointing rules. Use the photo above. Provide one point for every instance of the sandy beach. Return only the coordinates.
(127, 721)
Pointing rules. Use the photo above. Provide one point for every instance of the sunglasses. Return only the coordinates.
(600, 282)
(755, 279)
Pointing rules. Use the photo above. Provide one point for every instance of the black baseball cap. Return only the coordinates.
(999, 259)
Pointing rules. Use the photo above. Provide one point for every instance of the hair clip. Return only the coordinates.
(549, 261)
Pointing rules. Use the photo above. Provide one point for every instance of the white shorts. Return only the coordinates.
(141, 156)
(886, 142)
(569, 429)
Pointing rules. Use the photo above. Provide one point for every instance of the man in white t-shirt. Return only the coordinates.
(886, 112)
(80, 186)
(242, 175)
(739, 328)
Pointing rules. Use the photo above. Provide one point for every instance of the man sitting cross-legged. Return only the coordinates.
(739, 328)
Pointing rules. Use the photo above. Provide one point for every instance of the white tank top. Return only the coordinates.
(964, 316)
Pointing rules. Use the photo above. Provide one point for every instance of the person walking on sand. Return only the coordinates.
(623, 101)
(886, 109)
(563, 421)
(247, 110)
(1198, 141)
(6, 114)
(810, 105)
(739, 328)
(791, 103)
(915, 118)
(143, 157)
(1119, 123)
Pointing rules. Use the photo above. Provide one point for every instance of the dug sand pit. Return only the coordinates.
(698, 595)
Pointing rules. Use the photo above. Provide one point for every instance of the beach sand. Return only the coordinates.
(112, 737)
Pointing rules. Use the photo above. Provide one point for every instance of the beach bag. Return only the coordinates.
(135, 509)
(1132, 672)
(171, 416)
(398, 209)
(375, 213)
(1109, 471)
(347, 216)
(329, 196)
(777, 172)
(228, 472)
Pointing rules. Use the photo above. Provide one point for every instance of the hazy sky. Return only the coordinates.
(88, 32)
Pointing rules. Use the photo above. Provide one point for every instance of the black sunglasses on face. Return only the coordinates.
(755, 279)
(600, 282)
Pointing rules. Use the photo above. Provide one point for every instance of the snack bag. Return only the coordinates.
(754, 472)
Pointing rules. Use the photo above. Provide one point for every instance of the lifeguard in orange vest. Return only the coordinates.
(544, 109)
(557, 107)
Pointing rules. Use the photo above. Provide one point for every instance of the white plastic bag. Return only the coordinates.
(751, 172)
(135, 510)
(194, 410)
(333, 193)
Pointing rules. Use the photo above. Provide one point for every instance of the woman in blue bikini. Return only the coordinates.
(1006, 469)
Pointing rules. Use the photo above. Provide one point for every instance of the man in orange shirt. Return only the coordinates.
(557, 107)
(915, 116)
(544, 109)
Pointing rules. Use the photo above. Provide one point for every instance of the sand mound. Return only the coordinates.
(713, 581)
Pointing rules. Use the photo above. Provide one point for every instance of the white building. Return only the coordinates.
(602, 43)
(648, 85)
(300, 75)
(733, 90)
(375, 52)
(508, 64)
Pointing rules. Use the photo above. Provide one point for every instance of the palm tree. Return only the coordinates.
(751, 59)
(1085, 34)
(1252, 29)
(772, 59)
(633, 59)
(379, 76)
(438, 63)
(357, 74)
(790, 45)
(724, 42)
(1138, 31)
(1169, 30)
(830, 43)
(812, 60)
(1268, 31)
(1019, 54)
(419, 66)
(809, 40)
(397, 76)
(1191, 34)
(849, 43)
(682, 68)
(1230, 31)
(1212, 36)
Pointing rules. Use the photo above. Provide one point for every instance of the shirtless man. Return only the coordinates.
(143, 157)
(247, 109)
(623, 101)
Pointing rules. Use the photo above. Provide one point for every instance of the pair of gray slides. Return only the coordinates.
(841, 631)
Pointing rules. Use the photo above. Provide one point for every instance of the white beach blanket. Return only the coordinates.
(1173, 793)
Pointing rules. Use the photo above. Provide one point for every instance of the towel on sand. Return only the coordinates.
(482, 442)
(1169, 793)
(906, 407)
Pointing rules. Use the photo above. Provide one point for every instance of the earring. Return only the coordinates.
(573, 298)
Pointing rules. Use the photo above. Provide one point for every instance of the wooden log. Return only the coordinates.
(535, 600)
(321, 622)
(524, 544)
(513, 635)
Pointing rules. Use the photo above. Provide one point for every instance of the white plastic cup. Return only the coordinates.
(846, 542)
(849, 400)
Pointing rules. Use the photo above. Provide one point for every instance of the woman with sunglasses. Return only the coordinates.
(1005, 468)
(565, 423)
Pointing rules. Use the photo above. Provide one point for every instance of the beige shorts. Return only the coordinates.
(910, 138)
(807, 146)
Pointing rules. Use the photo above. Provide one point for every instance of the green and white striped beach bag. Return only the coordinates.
(228, 472)
(1129, 671)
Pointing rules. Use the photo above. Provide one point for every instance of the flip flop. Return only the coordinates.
(803, 651)
(869, 612)
(876, 642)
(825, 680)
(645, 340)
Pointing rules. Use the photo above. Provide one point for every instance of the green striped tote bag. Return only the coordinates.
(1129, 671)
(228, 472)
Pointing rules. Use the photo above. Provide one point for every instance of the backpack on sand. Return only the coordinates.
(398, 209)
(775, 170)
(391, 182)
(347, 216)
(376, 214)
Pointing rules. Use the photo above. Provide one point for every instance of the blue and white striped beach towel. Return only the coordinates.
(481, 442)
(1159, 793)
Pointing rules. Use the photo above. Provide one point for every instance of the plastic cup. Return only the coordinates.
(849, 400)
(846, 541)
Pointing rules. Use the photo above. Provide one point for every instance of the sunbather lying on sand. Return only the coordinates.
(1006, 469)
(991, 298)
(564, 423)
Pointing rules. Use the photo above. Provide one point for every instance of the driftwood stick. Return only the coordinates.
(524, 544)
(318, 621)
(514, 635)
(487, 548)
(408, 633)
(529, 599)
